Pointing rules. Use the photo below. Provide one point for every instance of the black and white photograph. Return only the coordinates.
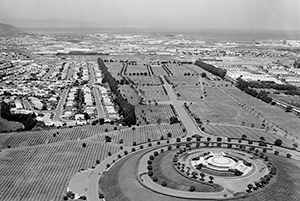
(149, 100)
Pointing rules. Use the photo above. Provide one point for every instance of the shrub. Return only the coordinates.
(162, 138)
(162, 151)
(107, 165)
(169, 147)
(288, 155)
(134, 144)
(121, 147)
(164, 183)
(101, 196)
(219, 139)
(188, 139)
(150, 173)
(168, 141)
(192, 188)
(119, 156)
(276, 152)
(149, 162)
(149, 140)
(177, 146)
(278, 142)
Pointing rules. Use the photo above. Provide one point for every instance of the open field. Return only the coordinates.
(287, 121)
(142, 134)
(251, 133)
(183, 80)
(145, 80)
(136, 70)
(217, 107)
(115, 69)
(152, 114)
(158, 70)
(130, 94)
(189, 93)
(43, 172)
(179, 70)
(32, 138)
(154, 93)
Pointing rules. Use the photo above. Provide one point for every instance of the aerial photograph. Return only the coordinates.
(150, 100)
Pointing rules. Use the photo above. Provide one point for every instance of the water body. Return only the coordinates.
(202, 34)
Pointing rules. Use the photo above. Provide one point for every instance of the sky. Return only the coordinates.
(223, 14)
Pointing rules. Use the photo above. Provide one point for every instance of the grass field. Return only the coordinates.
(141, 134)
(153, 93)
(145, 80)
(43, 172)
(152, 114)
(287, 121)
(183, 80)
(238, 131)
(130, 94)
(32, 138)
(158, 70)
(179, 70)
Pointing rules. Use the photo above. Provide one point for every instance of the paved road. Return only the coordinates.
(101, 113)
(184, 117)
(96, 92)
(59, 108)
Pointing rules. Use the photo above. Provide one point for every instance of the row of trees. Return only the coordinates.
(247, 87)
(212, 69)
(124, 107)
(28, 120)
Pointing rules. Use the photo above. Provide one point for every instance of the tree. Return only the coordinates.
(288, 109)
(194, 174)
(107, 138)
(169, 135)
(278, 142)
(211, 179)
(244, 136)
(173, 120)
(202, 175)
(84, 144)
(192, 188)
(250, 187)
(86, 116)
(164, 183)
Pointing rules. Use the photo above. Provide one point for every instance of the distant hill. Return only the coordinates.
(9, 30)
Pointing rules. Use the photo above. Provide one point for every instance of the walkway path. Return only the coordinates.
(189, 124)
